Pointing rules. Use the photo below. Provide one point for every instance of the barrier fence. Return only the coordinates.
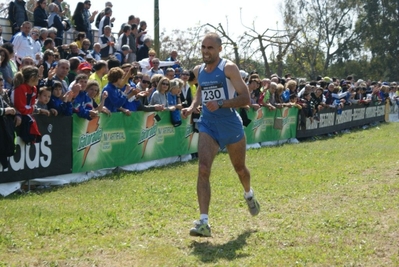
(72, 145)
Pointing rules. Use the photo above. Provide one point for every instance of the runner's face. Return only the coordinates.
(210, 50)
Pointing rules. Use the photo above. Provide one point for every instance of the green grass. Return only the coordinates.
(332, 202)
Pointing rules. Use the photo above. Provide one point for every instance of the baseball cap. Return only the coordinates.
(87, 2)
(84, 66)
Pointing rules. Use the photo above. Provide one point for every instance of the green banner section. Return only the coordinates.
(120, 140)
(266, 125)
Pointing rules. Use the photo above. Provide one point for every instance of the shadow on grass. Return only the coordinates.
(208, 252)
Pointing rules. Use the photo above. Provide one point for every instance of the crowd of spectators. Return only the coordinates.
(323, 93)
(44, 76)
(40, 74)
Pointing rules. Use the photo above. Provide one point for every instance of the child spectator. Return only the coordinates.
(59, 102)
(307, 106)
(25, 94)
(93, 91)
(83, 104)
(43, 99)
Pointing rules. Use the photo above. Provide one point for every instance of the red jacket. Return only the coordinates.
(24, 98)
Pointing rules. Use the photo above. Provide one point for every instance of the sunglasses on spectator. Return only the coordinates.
(138, 77)
(144, 81)
(167, 84)
(186, 74)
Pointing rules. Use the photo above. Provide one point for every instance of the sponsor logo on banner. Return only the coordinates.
(149, 131)
(90, 138)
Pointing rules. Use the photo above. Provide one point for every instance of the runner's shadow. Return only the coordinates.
(208, 252)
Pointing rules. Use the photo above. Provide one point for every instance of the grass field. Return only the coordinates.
(331, 202)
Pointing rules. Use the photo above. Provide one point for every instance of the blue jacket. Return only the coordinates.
(82, 105)
(115, 98)
(63, 108)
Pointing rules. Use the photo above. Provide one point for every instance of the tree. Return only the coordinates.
(327, 26)
(378, 27)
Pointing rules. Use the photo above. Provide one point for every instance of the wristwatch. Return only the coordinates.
(220, 103)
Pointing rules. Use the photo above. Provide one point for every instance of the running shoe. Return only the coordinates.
(253, 205)
(201, 229)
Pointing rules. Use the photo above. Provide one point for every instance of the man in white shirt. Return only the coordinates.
(23, 43)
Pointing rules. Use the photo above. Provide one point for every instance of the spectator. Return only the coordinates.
(160, 95)
(79, 39)
(99, 75)
(88, 20)
(42, 100)
(43, 34)
(37, 48)
(74, 51)
(141, 35)
(93, 91)
(107, 43)
(61, 74)
(146, 63)
(123, 54)
(55, 20)
(23, 42)
(58, 101)
(192, 81)
(40, 15)
(106, 20)
(82, 104)
(6, 69)
(12, 65)
(7, 135)
(17, 15)
(48, 45)
(101, 14)
(86, 46)
(173, 58)
(174, 92)
(143, 85)
(73, 70)
(269, 98)
(116, 99)
(253, 85)
(25, 93)
(52, 33)
(96, 53)
(79, 19)
(291, 88)
(124, 37)
(186, 96)
(48, 59)
(319, 101)
(144, 49)
(307, 106)
(170, 73)
(155, 69)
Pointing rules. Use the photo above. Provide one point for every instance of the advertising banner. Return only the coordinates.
(119, 140)
(52, 156)
(269, 125)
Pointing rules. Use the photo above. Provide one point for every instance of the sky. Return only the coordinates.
(178, 14)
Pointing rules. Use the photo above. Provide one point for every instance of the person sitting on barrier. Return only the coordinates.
(308, 106)
(319, 101)
(116, 98)
(82, 104)
(59, 102)
(42, 100)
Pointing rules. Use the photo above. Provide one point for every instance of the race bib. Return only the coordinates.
(212, 93)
